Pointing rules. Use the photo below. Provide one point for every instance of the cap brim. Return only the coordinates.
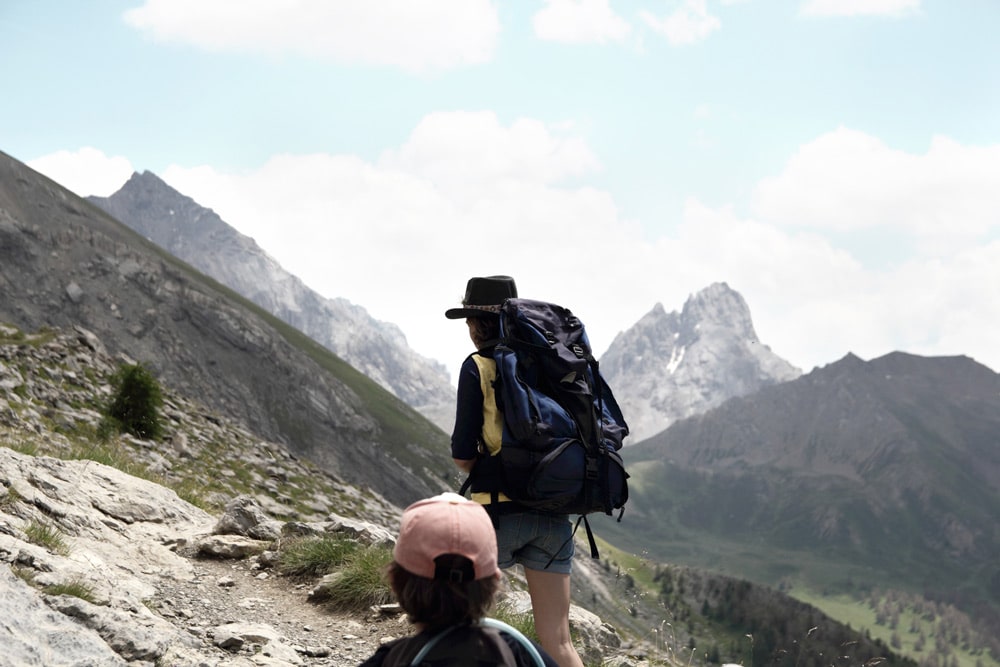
(462, 313)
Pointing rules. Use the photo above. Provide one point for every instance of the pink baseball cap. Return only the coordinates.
(446, 524)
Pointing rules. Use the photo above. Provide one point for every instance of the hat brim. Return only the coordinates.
(463, 313)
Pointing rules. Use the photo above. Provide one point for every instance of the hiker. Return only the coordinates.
(542, 543)
(444, 574)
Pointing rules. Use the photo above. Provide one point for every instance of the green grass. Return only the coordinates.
(361, 583)
(48, 536)
(75, 588)
(859, 614)
(27, 447)
(110, 454)
(525, 623)
(316, 555)
(9, 499)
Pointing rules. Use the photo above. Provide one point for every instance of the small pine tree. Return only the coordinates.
(136, 402)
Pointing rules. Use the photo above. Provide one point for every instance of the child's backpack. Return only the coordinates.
(562, 427)
(478, 645)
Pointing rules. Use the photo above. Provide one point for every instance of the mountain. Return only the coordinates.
(201, 238)
(191, 550)
(65, 262)
(669, 366)
(878, 473)
(253, 407)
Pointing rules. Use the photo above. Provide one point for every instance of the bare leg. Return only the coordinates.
(549, 593)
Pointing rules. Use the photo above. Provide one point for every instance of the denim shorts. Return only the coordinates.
(532, 538)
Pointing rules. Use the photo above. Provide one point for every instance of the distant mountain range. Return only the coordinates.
(879, 473)
(664, 368)
(201, 238)
(859, 474)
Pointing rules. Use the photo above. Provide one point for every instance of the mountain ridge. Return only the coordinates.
(888, 470)
(65, 262)
(201, 238)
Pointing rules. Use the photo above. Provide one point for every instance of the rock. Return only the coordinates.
(231, 546)
(36, 635)
(244, 516)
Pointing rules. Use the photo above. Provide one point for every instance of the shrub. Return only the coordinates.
(136, 402)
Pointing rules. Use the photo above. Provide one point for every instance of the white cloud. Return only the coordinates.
(579, 22)
(847, 181)
(688, 24)
(415, 36)
(443, 146)
(892, 8)
(402, 236)
(466, 195)
(87, 171)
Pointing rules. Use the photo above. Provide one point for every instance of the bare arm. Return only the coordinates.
(465, 465)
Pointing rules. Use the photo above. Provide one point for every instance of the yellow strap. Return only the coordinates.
(492, 419)
(484, 498)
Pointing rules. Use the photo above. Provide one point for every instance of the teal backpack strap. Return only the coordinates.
(429, 645)
(516, 634)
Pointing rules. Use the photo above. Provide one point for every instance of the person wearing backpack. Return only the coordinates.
(541, 542)
(444, 574)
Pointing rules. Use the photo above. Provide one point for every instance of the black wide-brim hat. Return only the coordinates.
(483, 297)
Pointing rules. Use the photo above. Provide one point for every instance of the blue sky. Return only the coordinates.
(837, 162)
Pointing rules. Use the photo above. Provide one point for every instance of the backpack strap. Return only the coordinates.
(516, 634)
(465, 641)
(431, 643)
(590, 538)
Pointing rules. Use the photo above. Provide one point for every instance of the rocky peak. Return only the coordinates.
(201, 238)
(674, 365)
(717, 306)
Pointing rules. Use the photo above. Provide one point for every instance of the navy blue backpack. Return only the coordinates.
(562, 428)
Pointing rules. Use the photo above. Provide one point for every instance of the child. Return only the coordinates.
(444, 574)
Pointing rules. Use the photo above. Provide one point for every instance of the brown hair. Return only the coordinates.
(484, 330)
(439, 603)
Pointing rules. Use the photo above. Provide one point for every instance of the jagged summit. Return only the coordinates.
(200, 237)
(672, 365)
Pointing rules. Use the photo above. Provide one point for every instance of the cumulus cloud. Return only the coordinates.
(892, 8)
(847, 181)
(415, 36)
(688, 24)
(443, 146)
(579, 22)
(87, 171)
(468, 195)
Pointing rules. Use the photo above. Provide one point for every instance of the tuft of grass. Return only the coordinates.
(10, 498)
(48, 536)
(525, 623)
(189, 490)
(110, 454)
(316, 555)
(28, 447)
(75, 588)
(361, 583)
(25, 574)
